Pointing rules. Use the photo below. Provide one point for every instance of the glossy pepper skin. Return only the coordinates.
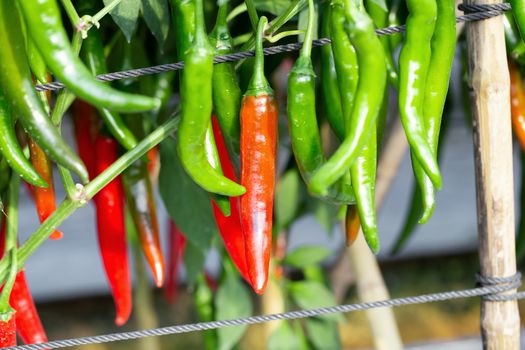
(17, 85)
(93, 54)
(352, 224)
(514, 44)
(141, 204)
(111, 230)
(258, 157)
(367, 102)
(10, 148)
(85, 121)
(28, 324)
(443, 47)
(302, 121)
(517, 103)
(196, 105)
(230, 228)
(44, 24)
(414, 63)
(518, 10)
(44, 198)
(329, 88)
(226, 91)
(346, 64)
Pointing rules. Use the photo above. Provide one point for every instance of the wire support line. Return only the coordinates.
(493, 291)
(472, 13)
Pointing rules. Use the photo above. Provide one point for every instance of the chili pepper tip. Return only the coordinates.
(158, 274)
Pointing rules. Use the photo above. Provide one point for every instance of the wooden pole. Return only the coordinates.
(489, 84)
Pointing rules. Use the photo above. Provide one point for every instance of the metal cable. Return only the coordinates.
(495, 287)
(473, 13)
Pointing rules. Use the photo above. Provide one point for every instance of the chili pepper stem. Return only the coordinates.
(71, 12)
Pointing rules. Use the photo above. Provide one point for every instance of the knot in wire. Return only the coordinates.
(499, 285)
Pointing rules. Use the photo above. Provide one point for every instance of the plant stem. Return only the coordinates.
(10, 244)
(306, 50)
(71, 12)
(107, 9)
(241, 8)
(275, 38)
(252, 13)
(68, 206)
(67, 181)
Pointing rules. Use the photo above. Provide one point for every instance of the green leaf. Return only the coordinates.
(313, 295)
(156, 15)
(288, 199)
(194, 258)
(283, 338)
(232, 301)
(186, 202)
(323, 334)
(126, 15)
(275, 7)
(306, 256)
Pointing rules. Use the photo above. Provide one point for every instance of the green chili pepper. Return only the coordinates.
(93, 52)
(44, 25)
(196, 103)
(304, 130)
(367, 103)
(17, 85)
(520, 239)
(379, 15)
(515, 45)
(226, 91)
(10, 148)
(518, 10)
(345, 62)
(443, 46)
(414, 64)
(330, 89)
(393, 20)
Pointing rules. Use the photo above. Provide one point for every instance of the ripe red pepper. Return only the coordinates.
(230, 227)
(27, 321)
(258, 157)
(44, 198)
(176, 245)
(141, 204)
(85, 120)
(7, 330)
(517, 102)
(28, 324)
(111, 230)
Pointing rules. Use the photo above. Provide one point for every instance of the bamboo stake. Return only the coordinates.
(369, 280)
(489, 84)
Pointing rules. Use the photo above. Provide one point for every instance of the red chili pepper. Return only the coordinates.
(27, 321)
(230, 227)
(85, 120)
(44, 198)
(153, 159)
(111, 230)
(141, 204)
(177, 245)
(8, 330)
(258, 157)
(517, 102)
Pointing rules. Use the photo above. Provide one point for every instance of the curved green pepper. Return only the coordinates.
(93, 53)
(329, 88)
(196, 103)
(367, 102)
(10, 148)
(44, 24)
(414, 62)
(226, 90)
(17, 85)
(443, 47)
(518, 10)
